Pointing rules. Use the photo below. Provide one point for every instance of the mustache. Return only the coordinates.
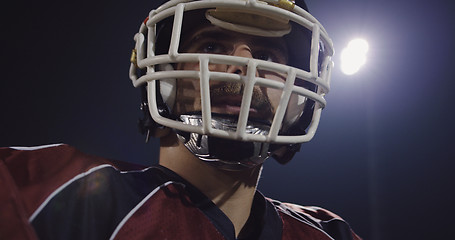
(259, 101)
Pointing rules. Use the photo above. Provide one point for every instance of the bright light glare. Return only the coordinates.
(354, 56)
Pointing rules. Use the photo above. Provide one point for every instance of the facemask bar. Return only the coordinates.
(319, 76)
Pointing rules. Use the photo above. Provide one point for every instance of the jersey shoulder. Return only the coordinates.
(29, 175)
(323, 223)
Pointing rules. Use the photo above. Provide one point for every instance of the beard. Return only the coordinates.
(234, 90)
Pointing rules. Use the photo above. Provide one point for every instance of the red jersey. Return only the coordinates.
(58, 192)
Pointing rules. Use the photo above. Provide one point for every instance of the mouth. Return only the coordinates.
(231, 105)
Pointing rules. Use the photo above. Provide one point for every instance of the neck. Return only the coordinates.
(231, 191)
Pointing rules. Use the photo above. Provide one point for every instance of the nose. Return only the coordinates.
(240, 50)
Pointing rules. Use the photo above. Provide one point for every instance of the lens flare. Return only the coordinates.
(353, 57)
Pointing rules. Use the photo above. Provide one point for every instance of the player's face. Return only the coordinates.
(226, 96)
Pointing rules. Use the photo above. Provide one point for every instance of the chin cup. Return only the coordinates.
(225, 153)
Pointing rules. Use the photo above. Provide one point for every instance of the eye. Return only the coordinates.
(212, 47)
(270, 56)
(264, 55)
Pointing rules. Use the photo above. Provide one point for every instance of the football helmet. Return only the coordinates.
(248, 136)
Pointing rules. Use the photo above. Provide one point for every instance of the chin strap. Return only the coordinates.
(284, 153)
(224, 153)
(146, 124)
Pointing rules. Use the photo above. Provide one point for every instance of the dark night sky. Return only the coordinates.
(383, 157)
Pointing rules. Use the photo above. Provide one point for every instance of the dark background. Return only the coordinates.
(382, 157)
